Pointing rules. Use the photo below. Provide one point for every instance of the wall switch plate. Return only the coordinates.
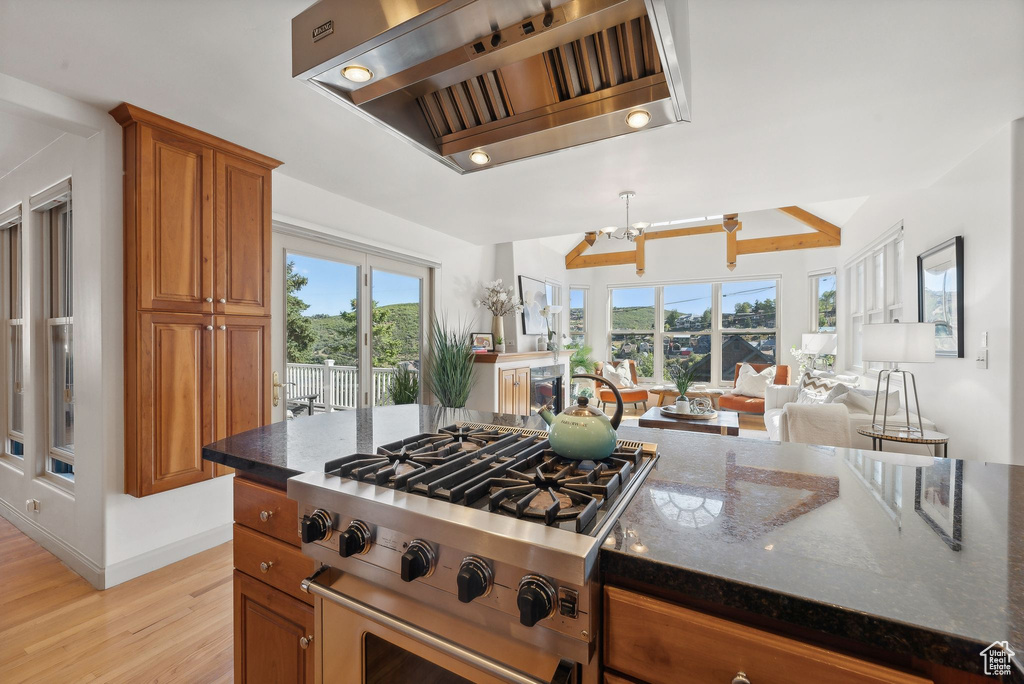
(982, 358)
(32, 505)
(984, 339)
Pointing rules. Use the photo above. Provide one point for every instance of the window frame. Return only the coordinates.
(875, 294)
(554, 287)
(585, 289)
(717, 332)
(814, 291)
(58, 272)
(12, 290)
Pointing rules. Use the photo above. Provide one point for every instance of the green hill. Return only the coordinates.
(396, 336)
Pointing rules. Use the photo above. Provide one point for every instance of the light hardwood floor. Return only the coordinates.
(172, 625)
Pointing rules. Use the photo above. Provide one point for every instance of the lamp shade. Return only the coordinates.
(899, 342)
(818, 343)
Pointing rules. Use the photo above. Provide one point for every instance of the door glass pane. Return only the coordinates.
(385, 663)
(748, 305)
(633, 309)
(322, 343)
(397, 332)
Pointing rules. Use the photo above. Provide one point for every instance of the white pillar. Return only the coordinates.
(328, 385)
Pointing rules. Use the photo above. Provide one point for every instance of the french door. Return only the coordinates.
(349, 327)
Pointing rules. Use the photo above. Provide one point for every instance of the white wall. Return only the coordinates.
(973, 200)
(538, 260)
(1016, 282)
(703, 258)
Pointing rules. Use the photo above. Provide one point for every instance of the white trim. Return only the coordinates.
(307, 233)
(890, 234)
(72, 557)
(10, 217)
(133, 567)
(51, 196)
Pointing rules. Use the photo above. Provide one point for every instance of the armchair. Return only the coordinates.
(633, 395)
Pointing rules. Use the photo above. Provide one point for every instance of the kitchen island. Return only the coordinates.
(917, 563)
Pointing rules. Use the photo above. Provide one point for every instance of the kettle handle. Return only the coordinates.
(617, 418)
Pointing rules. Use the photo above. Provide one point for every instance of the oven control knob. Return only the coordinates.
(316, 526)
(474, 579)
(354, 540)
(417, 561)
(536, 600)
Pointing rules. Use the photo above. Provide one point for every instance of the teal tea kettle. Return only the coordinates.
(583, 432)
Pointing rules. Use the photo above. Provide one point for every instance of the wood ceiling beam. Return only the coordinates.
(609, 259)
(815, 222)
(730, 250)
(685, 232)
(785, 242)
(641, 255)
(586, 243)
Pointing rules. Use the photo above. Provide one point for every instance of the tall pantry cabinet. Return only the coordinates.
(197, 224)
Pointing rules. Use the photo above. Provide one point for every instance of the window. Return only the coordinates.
(14, 441)
(823, 302)
(554, 294)
(578, 315)
(58, 272)
(875, 293)
(713, 325)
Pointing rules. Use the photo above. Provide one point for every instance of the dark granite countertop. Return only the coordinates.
(828, 540)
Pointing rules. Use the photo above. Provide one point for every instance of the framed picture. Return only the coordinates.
(940, 295)
(535, 298)
(938, 498)
(485, 340)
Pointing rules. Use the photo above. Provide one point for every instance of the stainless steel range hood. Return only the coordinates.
(509, 78)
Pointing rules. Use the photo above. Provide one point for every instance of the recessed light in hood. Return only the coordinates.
(519, 78)
(357, 74)
(479, 157)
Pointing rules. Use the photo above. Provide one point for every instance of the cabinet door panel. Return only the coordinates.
(242, 237)
(506, 391)
(243, 380)
(175, 223)
(268, 629)
(174, 404)
(522, 391)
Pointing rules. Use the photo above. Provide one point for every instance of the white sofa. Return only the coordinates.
(775, 421)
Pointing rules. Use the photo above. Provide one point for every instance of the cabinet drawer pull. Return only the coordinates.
(740, 678)
(305, 641)
(265, 515)
(265, 566)
(223, 327)
(209, 327)
(222, 300)
(209, 299)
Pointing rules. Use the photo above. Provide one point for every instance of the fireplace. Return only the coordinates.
(546, 388)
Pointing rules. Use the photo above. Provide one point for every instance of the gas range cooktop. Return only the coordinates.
(507, 471)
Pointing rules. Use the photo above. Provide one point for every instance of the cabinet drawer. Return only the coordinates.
(660, 642)
(273, 635)
(278, 564)
(254, 502)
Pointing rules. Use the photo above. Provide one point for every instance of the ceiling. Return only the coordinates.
(20, 139)
(794, 102)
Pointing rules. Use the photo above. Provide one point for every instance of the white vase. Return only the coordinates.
(683, 405)
(499, 348)
(542, 343)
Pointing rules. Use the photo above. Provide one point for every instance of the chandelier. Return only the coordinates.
(631, 231)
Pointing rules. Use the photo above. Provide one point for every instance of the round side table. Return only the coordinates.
(928, 437)
(666, 395)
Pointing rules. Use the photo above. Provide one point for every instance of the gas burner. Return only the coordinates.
(471, 436)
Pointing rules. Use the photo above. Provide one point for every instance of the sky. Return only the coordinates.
(695, 298)
(332, 286)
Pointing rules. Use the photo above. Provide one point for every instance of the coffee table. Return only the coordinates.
(725, 423)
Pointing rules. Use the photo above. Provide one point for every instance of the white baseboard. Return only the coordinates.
(71, 556)
(130, 568)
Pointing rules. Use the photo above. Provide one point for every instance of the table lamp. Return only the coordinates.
(818, 344)
(898, 343)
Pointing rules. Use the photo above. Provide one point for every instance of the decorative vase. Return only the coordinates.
(498, 327)
(542, 343)
(499, 348)
(683, 404)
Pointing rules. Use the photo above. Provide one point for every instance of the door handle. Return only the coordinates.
(275, 391)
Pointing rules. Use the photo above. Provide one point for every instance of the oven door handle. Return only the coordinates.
(565, 674)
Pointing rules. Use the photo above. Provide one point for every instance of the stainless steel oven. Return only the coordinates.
(383, 637)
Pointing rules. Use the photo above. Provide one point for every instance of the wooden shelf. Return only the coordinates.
(494, 357)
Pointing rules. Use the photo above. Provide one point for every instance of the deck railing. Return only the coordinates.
(337, 387)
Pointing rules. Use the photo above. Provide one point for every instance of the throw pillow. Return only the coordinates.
(863, 401)
(839, 390)
(618, 374)
(815, 389)
(753, 384)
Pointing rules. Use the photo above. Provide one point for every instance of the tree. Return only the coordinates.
(339, 341)
(827, 309)
(300, 330)
(671, 318)
(744, 307)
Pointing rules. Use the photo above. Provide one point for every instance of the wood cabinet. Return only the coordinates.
(270, 629)
(514, 391)
(661, 642)
(196, 297)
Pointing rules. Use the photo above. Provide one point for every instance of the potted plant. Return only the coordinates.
(683, 377)
(500, 301)
(451, 365)
(499, 345)
(405, 386)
